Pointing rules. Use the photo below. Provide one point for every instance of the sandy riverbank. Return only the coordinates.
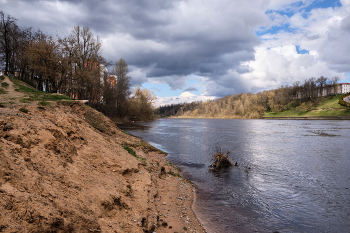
(63, 168)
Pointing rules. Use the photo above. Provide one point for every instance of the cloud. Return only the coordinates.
(335, 48)
(321, 32)
(185, 97)
(282, 66)
(191, 89)
(169, 41)
(191, 37)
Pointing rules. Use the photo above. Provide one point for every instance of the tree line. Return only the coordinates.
(72, 65)
(301, 96)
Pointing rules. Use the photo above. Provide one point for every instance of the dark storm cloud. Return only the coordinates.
(166, 40)
(191, 89)
(226, 85)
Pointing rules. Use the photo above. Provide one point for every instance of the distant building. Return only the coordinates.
(339, 88)
(343, 88)
(103, 72)
(112, 80)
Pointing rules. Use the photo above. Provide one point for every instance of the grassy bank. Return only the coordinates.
(328, 107)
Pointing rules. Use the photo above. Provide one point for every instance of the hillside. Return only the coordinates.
(327, 108)
(65, 167)
(273, 103)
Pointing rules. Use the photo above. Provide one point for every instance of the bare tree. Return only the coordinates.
(86, 50)
(334, 83)
(322, 81)
(9, 32)
(141, 104)
(310, 88)
(45, 58)
(123, 92)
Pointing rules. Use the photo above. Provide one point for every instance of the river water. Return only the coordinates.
(292, 175)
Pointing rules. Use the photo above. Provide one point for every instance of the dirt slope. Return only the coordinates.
(63, 169)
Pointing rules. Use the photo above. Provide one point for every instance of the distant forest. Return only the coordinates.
(302, 97)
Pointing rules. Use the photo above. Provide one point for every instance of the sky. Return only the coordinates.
(190, 50)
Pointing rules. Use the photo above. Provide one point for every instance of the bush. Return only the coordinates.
(5, 84)
(44, 103)
(131, 151)
(342, 102)
(24, 110)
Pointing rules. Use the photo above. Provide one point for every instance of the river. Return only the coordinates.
(292, 175)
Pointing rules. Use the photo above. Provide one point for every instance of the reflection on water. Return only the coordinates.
(293, 176)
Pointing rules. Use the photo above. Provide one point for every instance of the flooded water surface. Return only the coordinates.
(293, 176)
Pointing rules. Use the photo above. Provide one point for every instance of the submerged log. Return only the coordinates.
(220, 160)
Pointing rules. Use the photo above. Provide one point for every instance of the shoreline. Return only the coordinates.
(309, 118)
(64, 174)
(195, 213)
(193, 199)
(271, 118)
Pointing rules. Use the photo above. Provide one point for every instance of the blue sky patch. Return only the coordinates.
(164, 90)
(161, 89)
(275, 29)
(301, 51)
(290, 10)
(347, 80)
(323, 4)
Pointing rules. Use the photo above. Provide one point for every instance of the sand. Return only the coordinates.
(58, 173)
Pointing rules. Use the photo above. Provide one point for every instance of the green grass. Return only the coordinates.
(24, 110)
(44, 103)
(124, 132)
(130, 151)
(5, 84)
(329, 112)
(146, 147)
(133, 153)
(331, 102)
(2, 78)
(2, 91)
(174, 174)
(288, 113)
(35, 95)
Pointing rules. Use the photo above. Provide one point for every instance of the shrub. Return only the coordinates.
(24, 110)
(5, 84)
(44, 103)
(342, 102)
(130, 151)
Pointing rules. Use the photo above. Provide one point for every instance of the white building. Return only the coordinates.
(340, 88)
(103, 73)
(343, 88)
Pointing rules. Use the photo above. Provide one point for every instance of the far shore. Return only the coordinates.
(273, 118)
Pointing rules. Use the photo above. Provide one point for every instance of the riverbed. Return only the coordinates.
(292, 176)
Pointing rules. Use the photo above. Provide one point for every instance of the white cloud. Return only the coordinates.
(283, 66)
(323, 32)
(169, 41)
(184, 97)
